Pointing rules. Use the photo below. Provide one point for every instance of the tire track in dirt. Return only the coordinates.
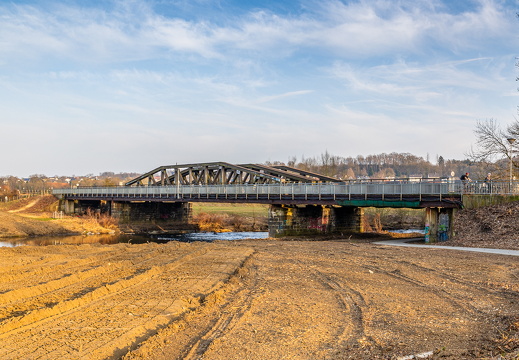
(210, 281)
(23, 300)
(69, 287)
(56, 266)
(458, 302)
(111, 334)
(460, 292)
(63, 308)
(231, 313)
(431, 281)
(444, 275)
(107, 339)
(34, 317)
(353, 333)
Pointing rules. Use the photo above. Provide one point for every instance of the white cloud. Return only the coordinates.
(352, 77)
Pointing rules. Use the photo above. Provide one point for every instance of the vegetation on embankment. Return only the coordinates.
(33, 217)
(495, 226)
(471, 201)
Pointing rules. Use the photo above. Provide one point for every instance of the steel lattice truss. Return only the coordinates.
(222, 173)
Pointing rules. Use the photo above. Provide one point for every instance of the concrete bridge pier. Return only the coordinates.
(164, 214)
(347, 219)
(440, 223)
(301, 220)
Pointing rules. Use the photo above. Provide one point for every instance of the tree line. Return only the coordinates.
(387, 165)
(376, 166)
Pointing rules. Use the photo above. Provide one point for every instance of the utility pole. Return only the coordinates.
(511, 141)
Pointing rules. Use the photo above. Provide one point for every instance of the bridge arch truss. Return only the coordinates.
(223, 173)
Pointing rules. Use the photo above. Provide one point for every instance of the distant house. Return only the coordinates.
(58, 185)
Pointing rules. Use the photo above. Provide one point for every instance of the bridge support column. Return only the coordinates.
(149, 215)
(290, 220)
(347, 219)
(68, 206)
(313, 219)
(439, 221)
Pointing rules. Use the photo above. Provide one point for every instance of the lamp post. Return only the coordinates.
(511, 141)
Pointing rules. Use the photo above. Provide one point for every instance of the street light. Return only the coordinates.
(511, 141)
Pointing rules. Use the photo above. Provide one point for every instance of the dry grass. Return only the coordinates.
(218, 222)
(103, 220)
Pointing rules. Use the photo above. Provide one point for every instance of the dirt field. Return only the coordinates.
(264, 299)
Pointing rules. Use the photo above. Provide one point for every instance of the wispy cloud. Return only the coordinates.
(134, 31)
(420, 81)
(285, 95)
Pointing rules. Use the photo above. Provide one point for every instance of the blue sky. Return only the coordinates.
(129, 85)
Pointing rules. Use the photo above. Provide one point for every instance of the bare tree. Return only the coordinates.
(493, 143)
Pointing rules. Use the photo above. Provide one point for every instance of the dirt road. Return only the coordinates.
(263, 299)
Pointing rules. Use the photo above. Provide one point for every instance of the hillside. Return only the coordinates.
(33, 217)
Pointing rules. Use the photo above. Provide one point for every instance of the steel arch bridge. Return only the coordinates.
(223, 173)
(298, 199)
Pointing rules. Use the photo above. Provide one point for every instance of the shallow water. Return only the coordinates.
(131, 239)
(409, 231)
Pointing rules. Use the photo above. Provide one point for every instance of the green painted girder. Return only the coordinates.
(379, 203)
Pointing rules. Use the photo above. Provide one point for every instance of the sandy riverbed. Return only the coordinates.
(263, 299)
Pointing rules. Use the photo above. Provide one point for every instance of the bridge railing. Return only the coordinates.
(303, 189)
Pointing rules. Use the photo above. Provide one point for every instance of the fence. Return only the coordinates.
(24, 194)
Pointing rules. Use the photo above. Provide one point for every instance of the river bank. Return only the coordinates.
(33, 217)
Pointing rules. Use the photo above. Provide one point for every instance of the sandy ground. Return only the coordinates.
(263, 299)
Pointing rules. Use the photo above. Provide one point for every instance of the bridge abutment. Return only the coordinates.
(143, 215)
(292, 220)
(93, 207)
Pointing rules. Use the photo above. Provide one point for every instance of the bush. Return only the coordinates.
(210, 222)
(104, 220)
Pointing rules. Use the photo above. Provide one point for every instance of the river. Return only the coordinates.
(131, 239)
(142, 239)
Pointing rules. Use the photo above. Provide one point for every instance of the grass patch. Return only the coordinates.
(247, 210)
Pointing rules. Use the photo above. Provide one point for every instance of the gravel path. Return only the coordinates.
(405, 242)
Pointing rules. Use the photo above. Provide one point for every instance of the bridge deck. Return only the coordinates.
(382, 194)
